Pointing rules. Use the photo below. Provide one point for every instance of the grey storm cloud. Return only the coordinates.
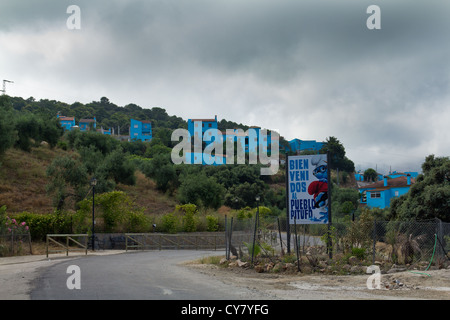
(309, 68)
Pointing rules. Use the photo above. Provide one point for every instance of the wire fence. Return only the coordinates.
(396, 242)
(14, 243)
(372, 241)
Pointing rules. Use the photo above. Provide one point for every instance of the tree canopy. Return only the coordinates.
(338, 158)
(429, 197)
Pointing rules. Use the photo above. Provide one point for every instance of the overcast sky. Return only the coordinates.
(308, 69)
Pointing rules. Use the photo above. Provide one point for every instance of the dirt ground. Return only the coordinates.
(404, 285)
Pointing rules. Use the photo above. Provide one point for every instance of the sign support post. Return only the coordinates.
(329, 244)
(288, 231)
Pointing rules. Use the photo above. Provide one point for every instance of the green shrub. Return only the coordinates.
(42, 224)
(250, 249)
(118, 212)
(212, 223)
(138, 222)
(169, 223)
(360, 253)
(189, 216)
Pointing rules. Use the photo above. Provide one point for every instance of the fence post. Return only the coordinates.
(279, 233)
(229, 237)
(440, 236)
(226, 239)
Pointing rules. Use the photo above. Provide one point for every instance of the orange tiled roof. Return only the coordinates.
(391, 183)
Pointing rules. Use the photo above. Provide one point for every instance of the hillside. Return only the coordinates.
(23, 177)
(120, 165)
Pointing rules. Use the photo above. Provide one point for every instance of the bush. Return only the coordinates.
(42, 224)
(202, 190)
(212, 223)
(117, 211)
(360, 253)
(169, 223)
(189, 219)
(138, 222)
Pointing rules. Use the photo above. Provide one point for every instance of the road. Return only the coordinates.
(164, 275)
(148, 275)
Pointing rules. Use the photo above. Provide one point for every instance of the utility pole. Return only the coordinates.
(4, 85)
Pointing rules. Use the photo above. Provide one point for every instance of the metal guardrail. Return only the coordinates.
(51, 238)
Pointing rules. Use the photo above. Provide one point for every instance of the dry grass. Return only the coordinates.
(23, 180)
(145, 195)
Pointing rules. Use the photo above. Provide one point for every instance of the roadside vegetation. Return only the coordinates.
(46, 175)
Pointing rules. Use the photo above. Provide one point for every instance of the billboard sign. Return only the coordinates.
(307, 189)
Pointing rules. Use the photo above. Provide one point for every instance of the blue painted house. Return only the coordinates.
(66, 122)
(380, 193)
(297, 145)
(198, 127)
(395, 174)
(86, 124)
(140, 130)
(250, 140)
(247, 140)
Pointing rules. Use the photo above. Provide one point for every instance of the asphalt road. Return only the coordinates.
(148, 275)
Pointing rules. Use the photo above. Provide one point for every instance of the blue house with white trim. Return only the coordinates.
(380, 193)
(140, 130)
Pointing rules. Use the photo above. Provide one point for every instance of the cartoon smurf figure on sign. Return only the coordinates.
(319, 188)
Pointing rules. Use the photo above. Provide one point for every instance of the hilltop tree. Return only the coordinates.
(370, 175)
(8, 134)
(201, 190)
(337, 155)
(162, 170)
(429, 197)
(68, 178)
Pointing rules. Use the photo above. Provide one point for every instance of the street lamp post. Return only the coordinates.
(93, 183)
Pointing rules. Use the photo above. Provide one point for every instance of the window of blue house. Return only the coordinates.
(374, 195)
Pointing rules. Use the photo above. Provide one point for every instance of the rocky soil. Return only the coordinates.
(283, 280)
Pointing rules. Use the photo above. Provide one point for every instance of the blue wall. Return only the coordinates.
(297, 145)
(85, 125)
(66, 124)
(140, 130)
